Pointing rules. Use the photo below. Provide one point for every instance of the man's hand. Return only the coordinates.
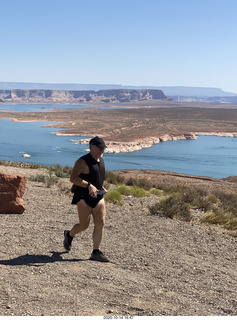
(93, 191)
(105, 190)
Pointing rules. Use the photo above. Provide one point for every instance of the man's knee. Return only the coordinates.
(84, 225)
(99, 220)
(99, 223)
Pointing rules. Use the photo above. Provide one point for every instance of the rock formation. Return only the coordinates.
(12, 188)
(70, 96)
(117, 147)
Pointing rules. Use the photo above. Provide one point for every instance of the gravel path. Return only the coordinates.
(158, 266)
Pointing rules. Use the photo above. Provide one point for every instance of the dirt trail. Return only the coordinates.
(158, 266)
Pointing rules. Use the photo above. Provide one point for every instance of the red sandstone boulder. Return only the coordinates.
(12, 188)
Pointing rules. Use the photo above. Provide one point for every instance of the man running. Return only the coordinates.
(88, 177)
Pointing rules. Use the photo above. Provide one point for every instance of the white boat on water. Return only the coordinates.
(25, 155)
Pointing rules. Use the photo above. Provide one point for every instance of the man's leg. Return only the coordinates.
(98, 214)
(84, 213)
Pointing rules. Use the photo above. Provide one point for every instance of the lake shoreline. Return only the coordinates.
(135, 145)
(123, 147)
(128, 130)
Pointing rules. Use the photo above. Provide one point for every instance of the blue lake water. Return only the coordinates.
(45, 107)
(207, 156)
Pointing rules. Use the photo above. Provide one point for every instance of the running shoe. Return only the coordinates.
(98, 256)
(67, 242)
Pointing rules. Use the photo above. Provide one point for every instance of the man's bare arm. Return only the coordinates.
(79, 167)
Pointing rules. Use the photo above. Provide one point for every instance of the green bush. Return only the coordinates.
(123, 189)
(38, 178)
(113, 178)
(228, 201)
(221, 217)
(138, 192)
(156, 192)
(48, 180)
(176, 195)
(131, 182)
(114, 196)
(203, 203)
(61, 172)
(188, 195)
(212, 198)
(145, 184)
(172, 207)
(67, 169)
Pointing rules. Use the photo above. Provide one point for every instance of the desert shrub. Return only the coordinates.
(156, 208)
(21, 164)
(184, 212)
(114, 196)
(49, 180)
(156, 192)
(221, 217)
(169, 187)
(188, 195)
(113, 178)
(64, 185)
(212, 198)
(144, 183)
(67, 169)
(203, 203)
(176, 194)
(133, 190)
(56, 167)
(138, 192)
(231, 179)
(132, 182)
(231, 224)
(210, 217)
(61, 172)
(171, 207)
(223, 210)
(38, 178)
(125, 190)
(228, 201)
(106, 185)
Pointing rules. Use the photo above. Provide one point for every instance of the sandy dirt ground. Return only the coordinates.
(158, 266)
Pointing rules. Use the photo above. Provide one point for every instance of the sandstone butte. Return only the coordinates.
(12, 188)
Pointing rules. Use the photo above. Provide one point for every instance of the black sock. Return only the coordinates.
(95, 250)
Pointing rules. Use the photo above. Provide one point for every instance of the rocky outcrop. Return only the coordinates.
(168, 137)
(70, 96)
(117, 147)
(12, 188)
(218, 134)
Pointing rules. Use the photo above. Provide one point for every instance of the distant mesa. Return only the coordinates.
(79, 96)
(27, 92)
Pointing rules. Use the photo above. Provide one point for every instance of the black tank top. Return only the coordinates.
(96, 173)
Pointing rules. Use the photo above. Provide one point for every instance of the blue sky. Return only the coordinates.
(127, 42)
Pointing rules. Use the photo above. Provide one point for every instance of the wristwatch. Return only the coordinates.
(88, 184)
